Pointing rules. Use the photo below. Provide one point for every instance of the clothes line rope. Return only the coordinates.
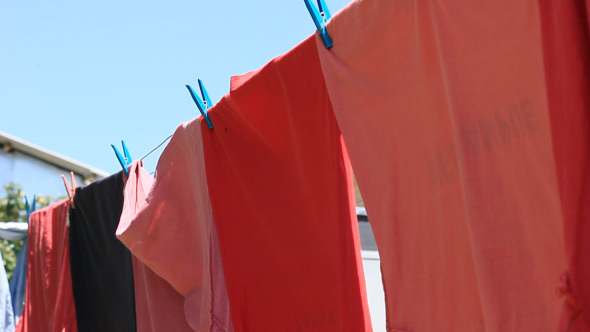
(154, 149)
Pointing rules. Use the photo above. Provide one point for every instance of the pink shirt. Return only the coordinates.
(159, 307)
(171, 233)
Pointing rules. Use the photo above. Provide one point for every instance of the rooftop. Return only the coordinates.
(10, 143)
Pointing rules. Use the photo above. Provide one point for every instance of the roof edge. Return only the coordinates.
(61, 161)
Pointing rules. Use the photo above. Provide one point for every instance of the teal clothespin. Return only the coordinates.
(124, 161)
(204, 103)
(320, 16)
(30, 209)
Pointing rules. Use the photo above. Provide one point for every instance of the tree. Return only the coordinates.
(12, 208)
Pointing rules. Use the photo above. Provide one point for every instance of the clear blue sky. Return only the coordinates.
(76, 76)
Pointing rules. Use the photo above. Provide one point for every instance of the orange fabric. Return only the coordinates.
(443, 108)
(158, 306)
(282, 196)
(49, 300)
(566, 44)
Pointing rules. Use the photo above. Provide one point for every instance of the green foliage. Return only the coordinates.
(12, 208)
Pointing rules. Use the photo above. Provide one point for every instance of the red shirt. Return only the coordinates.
(49, 300)
(282, 195)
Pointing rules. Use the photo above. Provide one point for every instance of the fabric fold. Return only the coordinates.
(171, 233)
(566, 48)
(158, 306)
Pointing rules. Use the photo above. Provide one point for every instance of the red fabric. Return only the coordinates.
(443, 108)
(158, 306)
(567, 54)
(282, 197)
(49, 300)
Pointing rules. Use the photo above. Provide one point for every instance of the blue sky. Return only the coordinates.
(77, 76)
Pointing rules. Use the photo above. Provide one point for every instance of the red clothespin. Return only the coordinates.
(70, 190)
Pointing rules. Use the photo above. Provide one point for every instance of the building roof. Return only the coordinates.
(10, 143)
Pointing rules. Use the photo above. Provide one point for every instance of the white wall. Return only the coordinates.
(35, 176)
(375, 293)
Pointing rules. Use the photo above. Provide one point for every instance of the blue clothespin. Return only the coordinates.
(124, 161)
(202, 104)
(30, 209)
(320, 16)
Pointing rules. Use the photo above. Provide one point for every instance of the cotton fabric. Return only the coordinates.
(566, 46)
(282, 196)
(159, 307)
(444, 111)
(49, 301)
(173, 234)
(102, 273)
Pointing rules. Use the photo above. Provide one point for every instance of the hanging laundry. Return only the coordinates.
(174, 233)
(566, 48)
(49, 302)
(159, 307)
(7, 321)
(18, 282)
(283, 200)
(444, 111)
(102, 272)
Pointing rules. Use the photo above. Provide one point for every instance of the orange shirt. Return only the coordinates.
(443, 107)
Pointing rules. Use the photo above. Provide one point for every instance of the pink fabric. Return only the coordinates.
(172, 232)
(49, 299)
(220, 313)
(159, 307)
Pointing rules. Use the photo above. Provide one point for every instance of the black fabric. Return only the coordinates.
(102, 272)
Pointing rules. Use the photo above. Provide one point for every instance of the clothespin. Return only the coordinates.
(124, 161)
(70, 190)
(204, 103)
(320, 16)
(30, 209)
